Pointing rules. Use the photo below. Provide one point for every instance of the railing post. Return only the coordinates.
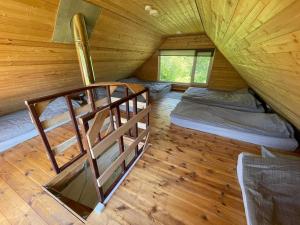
(127, 104)
(42, 133)
(91, 99)
(121, 139)
(109, 102)
(93, 163)
(147, 104)
(135, 129)
(74, 122)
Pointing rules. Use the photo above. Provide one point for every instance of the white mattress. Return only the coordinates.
(270, 189)
(256, 128)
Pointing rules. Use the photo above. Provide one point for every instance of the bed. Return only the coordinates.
(116, 95)
(157, 89)
(17, 127)
(240, 100)
(270, 189)
(266, 129)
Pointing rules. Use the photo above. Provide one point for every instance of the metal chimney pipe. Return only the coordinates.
(82, 47)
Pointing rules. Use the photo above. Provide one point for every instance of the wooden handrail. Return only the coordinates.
(38, 105)
(105, 143)
(74, 91)
(125, 131)
(113, 105)
(109, 171)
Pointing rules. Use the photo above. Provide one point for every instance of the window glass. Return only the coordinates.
(176, 68)
(202, 68)
(181, 66)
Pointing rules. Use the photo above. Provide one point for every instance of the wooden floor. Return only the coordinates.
(184, 178)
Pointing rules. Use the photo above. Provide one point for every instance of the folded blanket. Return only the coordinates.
(266, 124)
(240, 100)
(153, 86)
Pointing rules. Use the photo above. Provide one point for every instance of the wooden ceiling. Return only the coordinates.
(174, 15)
(261, 38)
(124, 37)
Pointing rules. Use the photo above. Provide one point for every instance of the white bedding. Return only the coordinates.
(240, 100)
(270, 189)
(257, 128)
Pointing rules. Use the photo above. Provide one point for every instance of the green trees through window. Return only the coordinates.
(181, 66)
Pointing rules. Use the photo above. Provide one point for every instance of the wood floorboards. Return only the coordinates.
(184, 178)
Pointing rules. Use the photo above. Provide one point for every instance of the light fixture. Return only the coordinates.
(148, 7)
(152, 12)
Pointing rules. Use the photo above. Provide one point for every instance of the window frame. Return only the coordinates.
(191, 83)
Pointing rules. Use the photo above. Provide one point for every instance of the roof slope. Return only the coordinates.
(262, 41)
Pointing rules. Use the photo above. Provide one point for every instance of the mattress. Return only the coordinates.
(119, 93)
(17, 127)
(240, 100)
(101, 93)
(258, 128)
(157, 89)
(270, 189)
(160, 94)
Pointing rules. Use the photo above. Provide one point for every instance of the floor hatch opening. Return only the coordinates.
(74, 187)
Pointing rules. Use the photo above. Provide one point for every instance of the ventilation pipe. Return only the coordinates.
(81, 40)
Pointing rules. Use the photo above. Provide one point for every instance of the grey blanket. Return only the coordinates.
(15, 124)
(240, 100)
(256, 123)
(152, 85)
(270, 189)
(119, 93)
(19, 123)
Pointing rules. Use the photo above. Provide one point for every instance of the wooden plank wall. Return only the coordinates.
(262, 41)
(31, 65)
(223, 75)
(123, 38)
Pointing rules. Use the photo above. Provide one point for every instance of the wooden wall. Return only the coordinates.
(262, 41)
(223, 76)
(123, 38)
(31, 65)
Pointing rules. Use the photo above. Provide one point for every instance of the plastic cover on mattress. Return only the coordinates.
(270, 188)
(240, 100)
(258, 128)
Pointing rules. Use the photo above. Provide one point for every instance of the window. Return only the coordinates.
(185, 66)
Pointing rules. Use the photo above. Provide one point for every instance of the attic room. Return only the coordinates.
(169, 112)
